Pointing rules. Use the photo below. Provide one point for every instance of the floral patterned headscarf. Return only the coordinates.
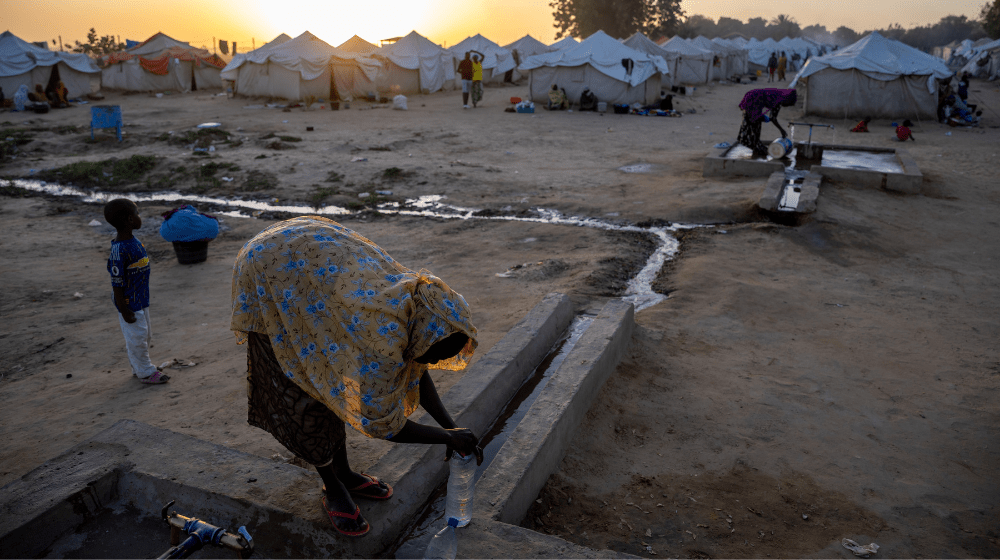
(345, 320)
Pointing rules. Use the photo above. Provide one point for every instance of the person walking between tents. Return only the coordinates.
(467, 72)
(772, 65)
(760, 106)
(782, 64)
(477, 78)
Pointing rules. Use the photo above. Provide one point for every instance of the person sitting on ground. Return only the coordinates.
(588, 101)
(21, 98)
(862, 126)
(903, 132)
(38, 96)
(129, 269)
(338, 331)
(666, 101)
(760, 106)
(56, 96)
(3, 100)
(960, 114)
(557, 99)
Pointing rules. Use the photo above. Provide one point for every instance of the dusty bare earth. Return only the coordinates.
(837, 378)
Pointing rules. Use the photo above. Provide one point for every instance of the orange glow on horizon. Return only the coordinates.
(442, 21)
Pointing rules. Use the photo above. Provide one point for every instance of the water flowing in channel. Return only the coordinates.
(639, 290)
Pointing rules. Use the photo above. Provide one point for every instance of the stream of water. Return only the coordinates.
(412, 541)
(639, 290)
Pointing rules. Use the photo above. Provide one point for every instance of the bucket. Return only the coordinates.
(780, 148)
(602, 107)
(191, 252)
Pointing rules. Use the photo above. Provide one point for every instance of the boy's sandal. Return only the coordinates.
(336, 518)
(374, 489)
(155, 379)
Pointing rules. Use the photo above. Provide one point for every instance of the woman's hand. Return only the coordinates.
(464, 442)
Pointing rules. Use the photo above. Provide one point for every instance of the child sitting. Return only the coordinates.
(862, 126)
(903, 132)
(129, 269)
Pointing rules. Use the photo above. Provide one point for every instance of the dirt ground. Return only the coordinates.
(834, 379)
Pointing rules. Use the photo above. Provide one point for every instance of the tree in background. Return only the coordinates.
(97, 47)
(617, 18)
(783, 26)
(695, 25)
(756, 27)
(845, 35)
(727, 26)
(990, 19)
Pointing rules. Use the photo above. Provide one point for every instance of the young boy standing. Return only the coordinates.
(129, 269)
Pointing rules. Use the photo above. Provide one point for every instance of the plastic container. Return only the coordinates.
(602, 107)
(621, 109)
(443, 545)
(461, 483)
(191, 252)
(780, 148)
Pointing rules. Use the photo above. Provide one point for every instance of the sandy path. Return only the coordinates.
(880, 415)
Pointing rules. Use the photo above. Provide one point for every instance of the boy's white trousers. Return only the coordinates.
(138, 336)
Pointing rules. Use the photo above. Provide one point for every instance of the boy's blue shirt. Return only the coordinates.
(129, 269)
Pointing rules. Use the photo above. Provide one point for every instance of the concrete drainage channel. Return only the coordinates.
(103, 496)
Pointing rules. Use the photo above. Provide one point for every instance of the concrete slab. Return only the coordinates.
(809, 193)
(911, 180)
(533, 452)
(278, 502)
(772, 192)
(716, 164)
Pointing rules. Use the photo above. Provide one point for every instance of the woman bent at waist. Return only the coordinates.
(338, 331)
(759, 106)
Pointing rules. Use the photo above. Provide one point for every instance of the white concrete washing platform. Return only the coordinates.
(908, 180)
(140, 467)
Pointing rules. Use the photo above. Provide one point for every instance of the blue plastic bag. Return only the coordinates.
(187, 224)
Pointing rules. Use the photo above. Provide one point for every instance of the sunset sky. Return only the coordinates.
(442, 21)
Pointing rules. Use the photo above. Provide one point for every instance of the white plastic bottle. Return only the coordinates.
(444, 545)
(461, 483)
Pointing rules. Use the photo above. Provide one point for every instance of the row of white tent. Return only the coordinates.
(876, 75)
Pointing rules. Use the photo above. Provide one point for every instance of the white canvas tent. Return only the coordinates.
(229, 72)
(596, 63)
(496, 59)
(724, 59)
(563, 43)
(414, 64)
(688, 64)
(980, 58)
(304, 66)
(758, 53)
(357, 45)
(24, 63)
(738, 57)
(875, 77)
(162, 63)
(642, 43)
(523, 48)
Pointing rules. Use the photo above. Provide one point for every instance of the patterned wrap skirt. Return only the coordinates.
(305, 426)
(750, 137)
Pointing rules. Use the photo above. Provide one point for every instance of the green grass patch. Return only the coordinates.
(11, 138)
(106, 173)
(320, 194)
(259, 180)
